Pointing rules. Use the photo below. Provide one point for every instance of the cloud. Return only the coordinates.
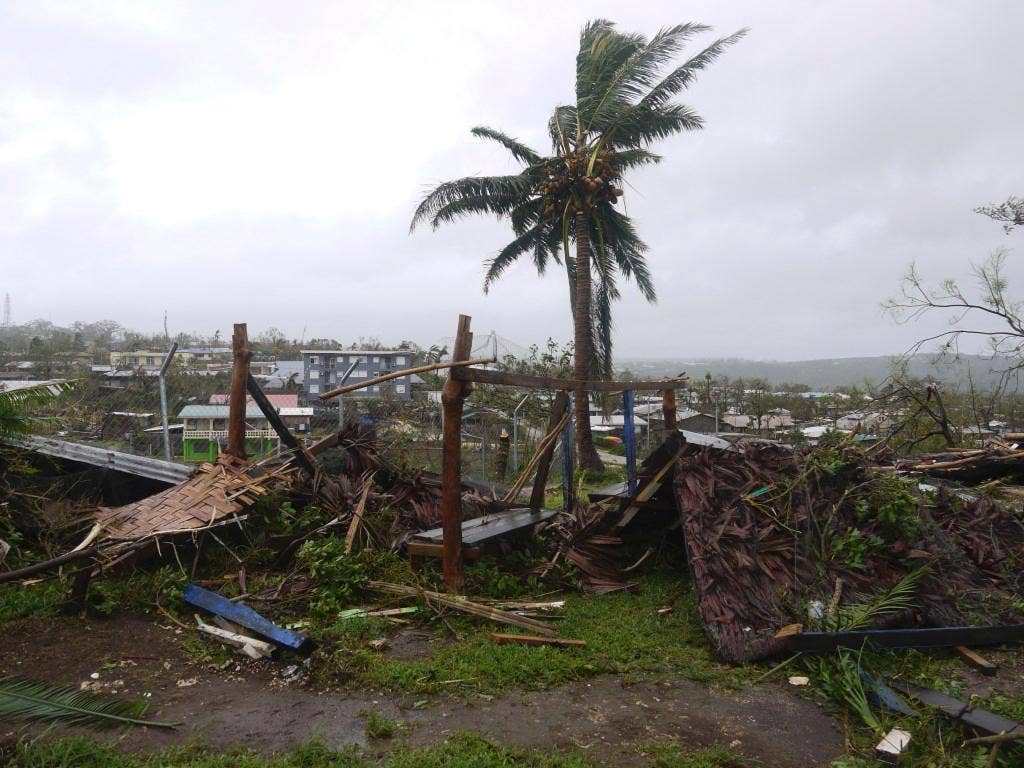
(153, 155)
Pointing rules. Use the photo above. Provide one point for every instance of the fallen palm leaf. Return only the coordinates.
(41, 701)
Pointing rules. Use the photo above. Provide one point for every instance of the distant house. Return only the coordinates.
(279, 401)
(210, 359)
(144, 359)
(205, 431)
(614, 424)
(694, 421)
(118, 424)
(323, 367)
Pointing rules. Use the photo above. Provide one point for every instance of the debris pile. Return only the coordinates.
(778, 536)
(998, 459)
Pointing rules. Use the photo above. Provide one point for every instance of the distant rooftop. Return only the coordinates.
(377, 352)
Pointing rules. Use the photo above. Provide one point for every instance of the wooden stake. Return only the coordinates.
(668, 409)
(540, 481)
(302, 455)
(357, 516)
(237, 400)
(452, 398)
(503, 639)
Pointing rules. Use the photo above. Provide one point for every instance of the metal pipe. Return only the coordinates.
(341, 398)
(515, 431)
(163, 398)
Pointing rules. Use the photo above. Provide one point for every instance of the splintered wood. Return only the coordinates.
(208, 498)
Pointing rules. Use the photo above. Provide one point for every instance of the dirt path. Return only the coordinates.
(250, 703)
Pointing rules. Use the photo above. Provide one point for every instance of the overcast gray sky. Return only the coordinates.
(260, 162)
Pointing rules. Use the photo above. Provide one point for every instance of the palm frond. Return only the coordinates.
(563, 127)
(627, 250)
(899, 597)
(492, 194)
(627, 159)
(644, 125)
(16, 405)
(41, 701)
(40, 394)
(634, 74)
(508, 255)
(519, 150)
(686, 73)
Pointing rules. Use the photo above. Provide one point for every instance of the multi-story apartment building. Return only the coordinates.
(323, 367)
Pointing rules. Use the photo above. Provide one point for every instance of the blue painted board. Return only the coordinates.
(246, 617)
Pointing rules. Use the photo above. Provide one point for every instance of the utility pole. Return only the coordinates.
(163, 398)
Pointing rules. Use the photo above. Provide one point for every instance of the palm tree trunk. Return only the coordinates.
(585, 450)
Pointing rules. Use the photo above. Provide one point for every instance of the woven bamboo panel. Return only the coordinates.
(216, 492)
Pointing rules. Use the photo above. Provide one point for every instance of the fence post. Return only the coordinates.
(452, 397)
(237, 399)
(567, 462)
(163, 398)
(629, 437)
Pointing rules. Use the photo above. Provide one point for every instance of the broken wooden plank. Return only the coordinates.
(931, 637)
(540, 478)
(460, 603)
(246, 617)
(487, 528)
(503, 639)
(892, 745)
(250, 646)
(976, 660)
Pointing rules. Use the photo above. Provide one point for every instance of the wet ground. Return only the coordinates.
(267, 706)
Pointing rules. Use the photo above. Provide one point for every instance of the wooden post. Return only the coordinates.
(668, 409)
(237, 400)
(540, 480)
(302, 455)
(629, 438)
(568, 486)
(501, 456)
(452, 397)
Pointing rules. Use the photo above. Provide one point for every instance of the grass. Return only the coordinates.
(459, 751)
(623, 632)
(672, 754)
(380, 727)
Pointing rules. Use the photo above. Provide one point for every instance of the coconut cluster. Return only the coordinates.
(567, 182)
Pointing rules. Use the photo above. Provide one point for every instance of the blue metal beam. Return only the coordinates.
(246, 617)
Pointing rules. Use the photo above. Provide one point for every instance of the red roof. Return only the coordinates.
(278, 401)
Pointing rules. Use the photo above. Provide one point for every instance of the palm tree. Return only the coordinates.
(623, 105)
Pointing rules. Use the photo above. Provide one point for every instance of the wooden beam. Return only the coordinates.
(485, 376)
(405, 372)
(930, 637)
(241, 355)
(502, 639)
(540, 480)
(302, 455)
(452, 398)
(977, 661)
